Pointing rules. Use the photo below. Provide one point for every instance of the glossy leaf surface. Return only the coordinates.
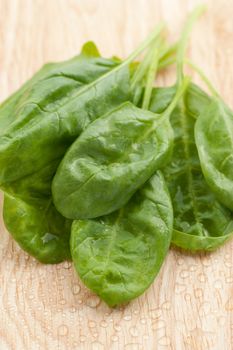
(201, 222)
(35, 224)
(113, 157)
(49, 116)
(195, 99)
(39, 229)
(50, 71)
(118, 256)
(214, 139)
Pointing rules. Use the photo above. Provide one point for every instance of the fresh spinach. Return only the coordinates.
(67, 73)
(195, 99)
(111, 131)
(51, 114)
(214, 140)
(109, 161)
(33, 221)
(201, 222)
(118, 256)
(112, 158)
(39, 229)
(54, 115)
(35, 135)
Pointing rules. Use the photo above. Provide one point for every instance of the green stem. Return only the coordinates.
(140, 71)
(203, 77)
(167, 57)
(150, 78)
(165, 63)
(168, 53)
(145, 64)
(156, 32)
(184, 40)
(179, 93)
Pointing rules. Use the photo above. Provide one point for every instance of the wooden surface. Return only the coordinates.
(190, 305)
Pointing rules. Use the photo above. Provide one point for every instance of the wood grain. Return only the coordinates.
(190, 305)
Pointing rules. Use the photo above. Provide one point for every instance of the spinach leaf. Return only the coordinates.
(214, 140)
(109, 161)
(53, 115)
(33, 221)
(39, 229)
(112, 158)
(39, 135)
(68, 72)
(195, 99)
(201, 222)
(118, 256)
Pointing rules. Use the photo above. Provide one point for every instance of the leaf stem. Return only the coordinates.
(203, 77)
(195, 14)
(165, 63)
(141, 69)
(167, 57)
(145, 63)
(179, 93)
(128, 60)
(168, 53)
(151, 76)
(151, 37)
(151, 63)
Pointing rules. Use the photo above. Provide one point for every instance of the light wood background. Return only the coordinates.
(190, 305)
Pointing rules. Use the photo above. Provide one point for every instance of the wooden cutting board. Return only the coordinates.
(190, 304)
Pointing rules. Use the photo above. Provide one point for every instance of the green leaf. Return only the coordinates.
(54, 111)
(47, 114)
(39, 229)
(73, 68)
(195, 99)
(201, 222)
(214, 139)
(118, 256)
(114, 156)
(49, 117)
(90, 49)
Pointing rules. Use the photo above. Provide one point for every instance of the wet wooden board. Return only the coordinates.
(190, 304)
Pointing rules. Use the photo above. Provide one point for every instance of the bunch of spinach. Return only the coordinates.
(84, 140)
(201, 222)
(34, 143)
(111, 252)
(112, 158)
